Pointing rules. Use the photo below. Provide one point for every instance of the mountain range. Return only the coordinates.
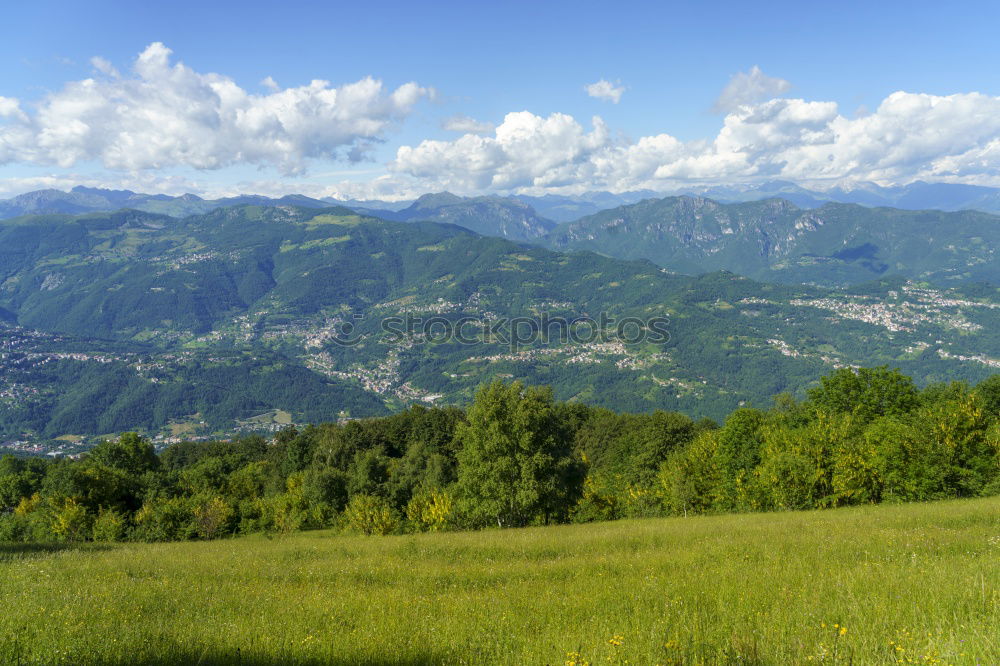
(558, 208)
(775, 240)
(82, 199)
(89, 200)
(505, 217)
(249, 317)
(917, 195)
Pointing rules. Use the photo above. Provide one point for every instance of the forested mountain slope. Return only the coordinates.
(775, 240)
(237, 320)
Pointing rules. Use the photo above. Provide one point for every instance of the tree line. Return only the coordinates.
(517, 457)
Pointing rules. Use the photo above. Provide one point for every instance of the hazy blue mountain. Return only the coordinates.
(558, 208)
(369, 204)
(914, 196)
(777, 189)
(89, 200)
(78, 200)
(503, 217)
(257, 200)
(566, 208)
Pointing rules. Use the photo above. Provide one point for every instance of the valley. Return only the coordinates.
(247, 310)
(404, 334)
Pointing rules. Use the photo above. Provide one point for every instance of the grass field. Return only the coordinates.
(914, 583)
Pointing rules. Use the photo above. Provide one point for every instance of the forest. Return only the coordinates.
(517, 457)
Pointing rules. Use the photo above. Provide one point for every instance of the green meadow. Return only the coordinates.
(915, 583)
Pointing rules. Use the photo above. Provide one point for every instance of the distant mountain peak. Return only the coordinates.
(82, 189)
(436, 200)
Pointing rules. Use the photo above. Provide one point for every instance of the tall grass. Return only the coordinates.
(918, 583)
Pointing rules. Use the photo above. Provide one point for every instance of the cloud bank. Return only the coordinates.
(161, 117)
(164, 114)
(908, 137)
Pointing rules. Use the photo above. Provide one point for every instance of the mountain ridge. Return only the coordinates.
(560, 208)
(770, 239)
(235, 320)
(775, 240)
(504, 217)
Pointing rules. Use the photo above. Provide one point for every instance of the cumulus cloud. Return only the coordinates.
(746, 88)
(11, 108)
(526, 150)
(161, 117)
(465, 124)
(909, 136)
(605, 90)
(164, 114)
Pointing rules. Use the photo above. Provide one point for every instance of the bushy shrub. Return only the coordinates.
(689, 479)
(796, 469)
(914, 466)
(598, 502)
(212, 517)
(370, 514)
(109, 526)
(858, 471)
(291, 510)
(166, 519)
(326, 486)
(70, 520)
(13, 528)
(430, 510)
(31, 520)
(251, 516)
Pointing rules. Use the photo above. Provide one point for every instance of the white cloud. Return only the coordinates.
(11, 108)
(746, 88)
(165, 114)
(465, 124)
(605, 90)
(908, 137)
(525, 151)
(159, 116)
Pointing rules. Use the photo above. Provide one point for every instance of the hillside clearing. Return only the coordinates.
(916, 582)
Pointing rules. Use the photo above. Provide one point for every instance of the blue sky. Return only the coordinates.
(838, 63)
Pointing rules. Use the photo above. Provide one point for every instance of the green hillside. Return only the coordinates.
(215, 323)
(774, 240)
(874, 585)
